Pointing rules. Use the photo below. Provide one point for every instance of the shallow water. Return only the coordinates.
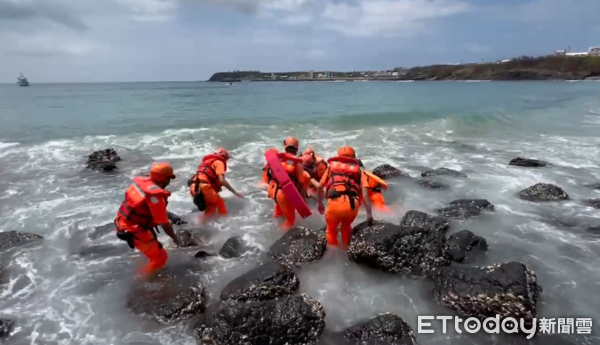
(47, 131)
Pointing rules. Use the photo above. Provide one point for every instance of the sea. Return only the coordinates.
(57, 295)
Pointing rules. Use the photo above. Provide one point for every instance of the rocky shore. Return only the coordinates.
(523, 68)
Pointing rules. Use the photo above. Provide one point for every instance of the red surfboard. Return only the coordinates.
(290, 191)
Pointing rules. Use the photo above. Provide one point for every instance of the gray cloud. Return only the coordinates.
(48, 9)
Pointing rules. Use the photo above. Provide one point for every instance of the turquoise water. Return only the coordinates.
(476, 127)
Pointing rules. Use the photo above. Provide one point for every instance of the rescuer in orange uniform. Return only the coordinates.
(375, 185)
(145, 208)
(206, 184)
(344, 181)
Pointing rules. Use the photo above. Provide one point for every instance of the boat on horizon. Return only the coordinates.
(22, 81)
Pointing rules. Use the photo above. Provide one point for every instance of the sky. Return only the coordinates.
(189, 40)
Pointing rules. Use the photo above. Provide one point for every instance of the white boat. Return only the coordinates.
(22, 81)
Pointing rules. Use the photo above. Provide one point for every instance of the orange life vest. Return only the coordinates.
(344, 172)
(288, 162)
(205, 169)
(135, 208)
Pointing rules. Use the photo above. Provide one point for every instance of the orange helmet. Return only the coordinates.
(308, 152)
(162, 172)
(223, 153)
(308, 160)
(319, 159)
(290, 142)
(346, 151)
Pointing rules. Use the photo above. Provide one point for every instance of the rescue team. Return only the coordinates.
(342, 180)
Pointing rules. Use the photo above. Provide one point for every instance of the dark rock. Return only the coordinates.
(101, 251)
(267, 281)
(102, 231)
(389, 329)
(527, 162)
(593, 185)
(465, 208)
(201, 254)
(299, 245)
(10, 239)
(443, 172)
(505, 289)
(6, 326)
(175, 219)
(595, 203)
(289, 320)
(463, 242)
(418, 219)
(234, 247)
(397, 249)
(168, 297)
(188, 239)
(543, 192)
(104, 160)
(431, 184)
(386, 171)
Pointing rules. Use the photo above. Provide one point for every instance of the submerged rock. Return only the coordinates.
(234, 247)
(595, 203)
(418, 219)
(443, 172)
(10, 239)
(103, 160)
(543, 192)
(386, 171)
(389, 329)
(299, 245)
(527, 162)
(504, 289)
(465, 208)
(431, 184)
(289, 320)
(101, 251)
(201, 254)
(267, 281)
(6, 326)
(175, 219)
(102, 231)
(397, 249)
(188, 239)
(168, 297)
(463, 242)
(593, 185)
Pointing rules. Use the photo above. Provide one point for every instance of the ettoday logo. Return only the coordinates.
(474, 325)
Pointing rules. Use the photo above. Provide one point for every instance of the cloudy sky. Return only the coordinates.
(152, 40)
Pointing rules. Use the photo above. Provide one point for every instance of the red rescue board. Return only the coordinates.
(286, 184)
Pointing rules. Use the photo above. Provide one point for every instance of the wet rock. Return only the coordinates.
(386, 171)
(465, 208)
(289, 320)
(6, 326)
(504, 289)
(543, 192)
(201, 254)
(101, 251)
(175, 219)
(398, 249)
(595, 203)
(418, 219)
(443, 172)
(168, 297)
(10, 239)
(267, 281)
(103, 160)
(593, 186)
(299, 245)
(234, 247)
(389, 329)
(188, 239)
(462, 242)
(102, 231)
(431, 184)
(527, 162)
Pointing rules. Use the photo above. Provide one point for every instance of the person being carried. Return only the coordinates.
(344, 181)
(315, 166)
(375, 185)
(145, 208)
(206, 184)
(292, 164)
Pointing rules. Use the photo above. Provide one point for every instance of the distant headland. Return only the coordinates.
(553, 67)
